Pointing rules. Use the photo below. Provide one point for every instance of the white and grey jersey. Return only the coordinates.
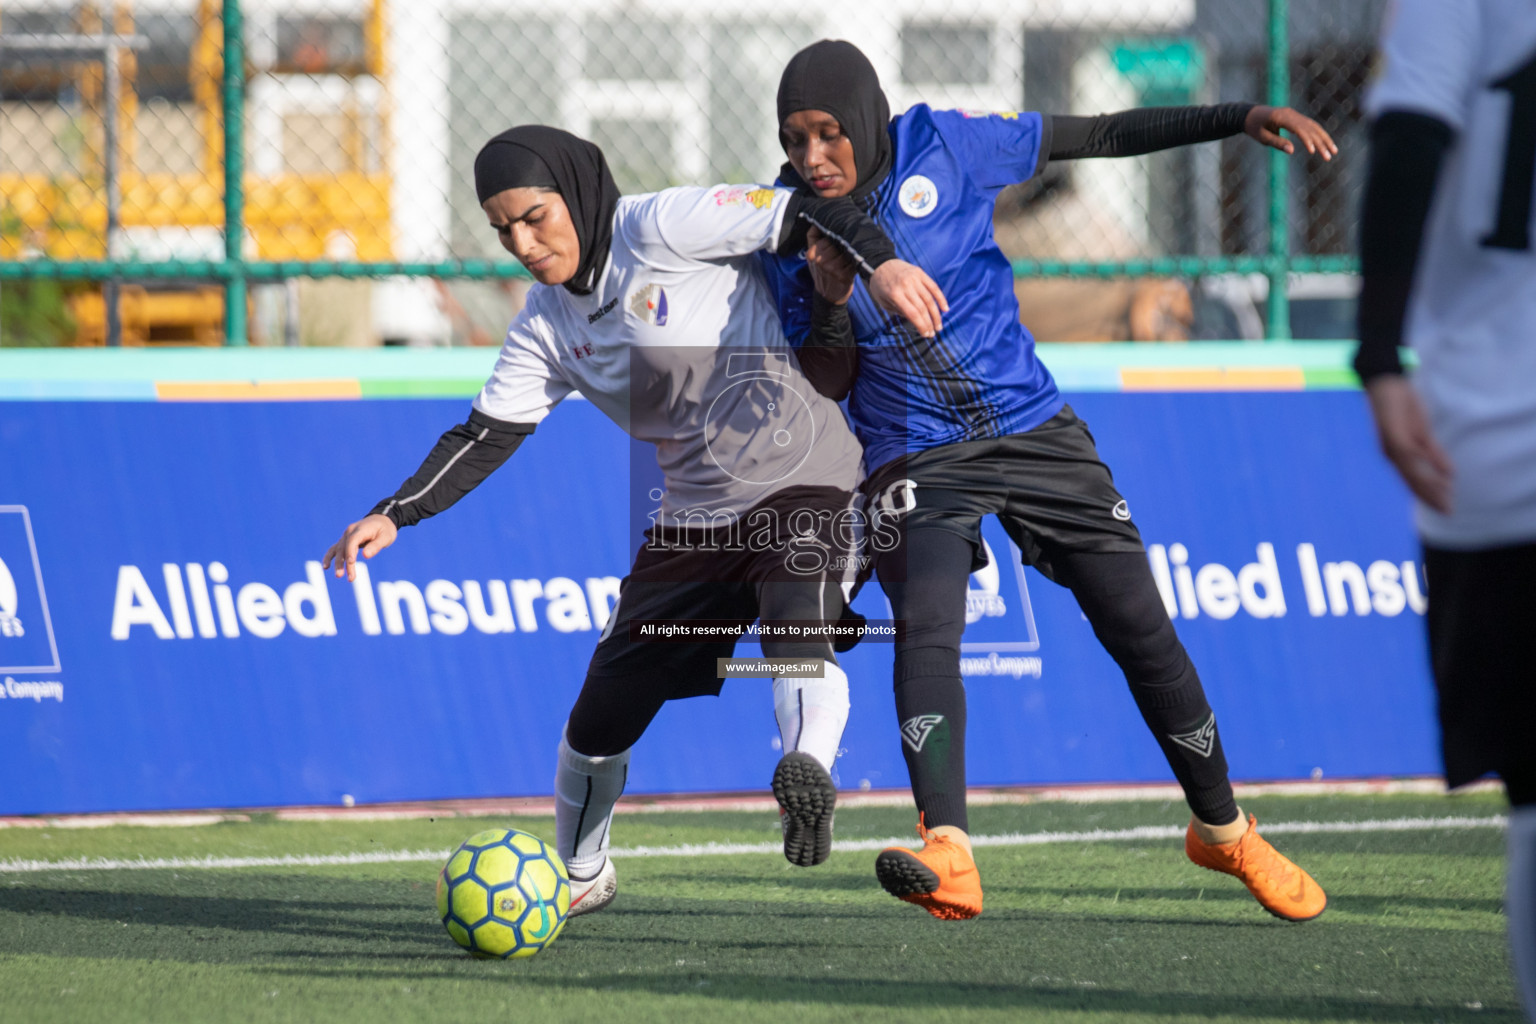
(680, 345)
(1472, 316)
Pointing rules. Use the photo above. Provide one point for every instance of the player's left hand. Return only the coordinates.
(904, 289)
(1266, 123)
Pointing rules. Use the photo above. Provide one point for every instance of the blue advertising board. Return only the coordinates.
(168, 640)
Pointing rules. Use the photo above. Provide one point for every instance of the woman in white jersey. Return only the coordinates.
(1448, 267)
(653, 307)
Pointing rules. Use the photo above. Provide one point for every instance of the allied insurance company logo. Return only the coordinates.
(26, 628)
(995, 626)
(984, 601)
(10, 622)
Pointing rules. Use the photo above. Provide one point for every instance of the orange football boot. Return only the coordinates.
(1281, 887)
(941, 877)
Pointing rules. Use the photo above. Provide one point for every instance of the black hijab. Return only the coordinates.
(536, 156)
(835, 76)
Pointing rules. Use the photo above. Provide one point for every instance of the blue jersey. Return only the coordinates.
(979, 378)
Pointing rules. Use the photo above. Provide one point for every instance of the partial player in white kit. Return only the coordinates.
(654, 309)
(1449, 269)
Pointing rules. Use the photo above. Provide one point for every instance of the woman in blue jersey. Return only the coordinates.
(969, 423)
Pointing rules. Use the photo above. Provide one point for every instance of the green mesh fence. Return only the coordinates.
(358, 121)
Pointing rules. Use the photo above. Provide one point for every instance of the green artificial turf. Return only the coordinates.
(1103, 931)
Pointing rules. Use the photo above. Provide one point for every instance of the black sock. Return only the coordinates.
(1192, 746)
(1118, 595)
(930, 705)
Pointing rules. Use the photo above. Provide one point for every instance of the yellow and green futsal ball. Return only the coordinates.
(503, 893)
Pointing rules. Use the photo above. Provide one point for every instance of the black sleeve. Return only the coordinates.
(1406, 153)
(1143, 130)
(462, 458)
(830, 355)
(843, 222)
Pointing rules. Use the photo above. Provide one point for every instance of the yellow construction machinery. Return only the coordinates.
(315, 182)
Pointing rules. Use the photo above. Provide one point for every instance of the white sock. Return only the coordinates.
(1520, 903)
(586, 788)
(812, 713)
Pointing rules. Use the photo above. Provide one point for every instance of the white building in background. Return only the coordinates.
(676, 93)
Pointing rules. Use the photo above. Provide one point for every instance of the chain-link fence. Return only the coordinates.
(356, 215)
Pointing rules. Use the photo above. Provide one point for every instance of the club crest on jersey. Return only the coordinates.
(650, 305)
(918, 196)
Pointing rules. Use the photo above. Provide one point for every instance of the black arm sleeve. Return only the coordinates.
(462, 458)
(830, 355)
(1143, 130)
(1406, 152)
(843, 222)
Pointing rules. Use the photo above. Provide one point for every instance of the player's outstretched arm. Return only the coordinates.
(1151, 129)
(462, 458)
(367, 537)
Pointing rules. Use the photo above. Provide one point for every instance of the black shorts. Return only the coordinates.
(1482, 644)
(714, 576)
(1047, 486)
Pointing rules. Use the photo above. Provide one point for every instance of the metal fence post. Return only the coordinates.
(111, 294)
(1279, 306)
(235, 327)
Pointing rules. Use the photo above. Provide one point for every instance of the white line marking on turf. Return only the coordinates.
(1142, 832)
(545, 807)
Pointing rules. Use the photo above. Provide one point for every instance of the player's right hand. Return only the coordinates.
(1408, 442)
(368, 536)
(911, 294)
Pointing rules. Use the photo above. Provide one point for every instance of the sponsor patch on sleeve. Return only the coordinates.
(739, 195)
